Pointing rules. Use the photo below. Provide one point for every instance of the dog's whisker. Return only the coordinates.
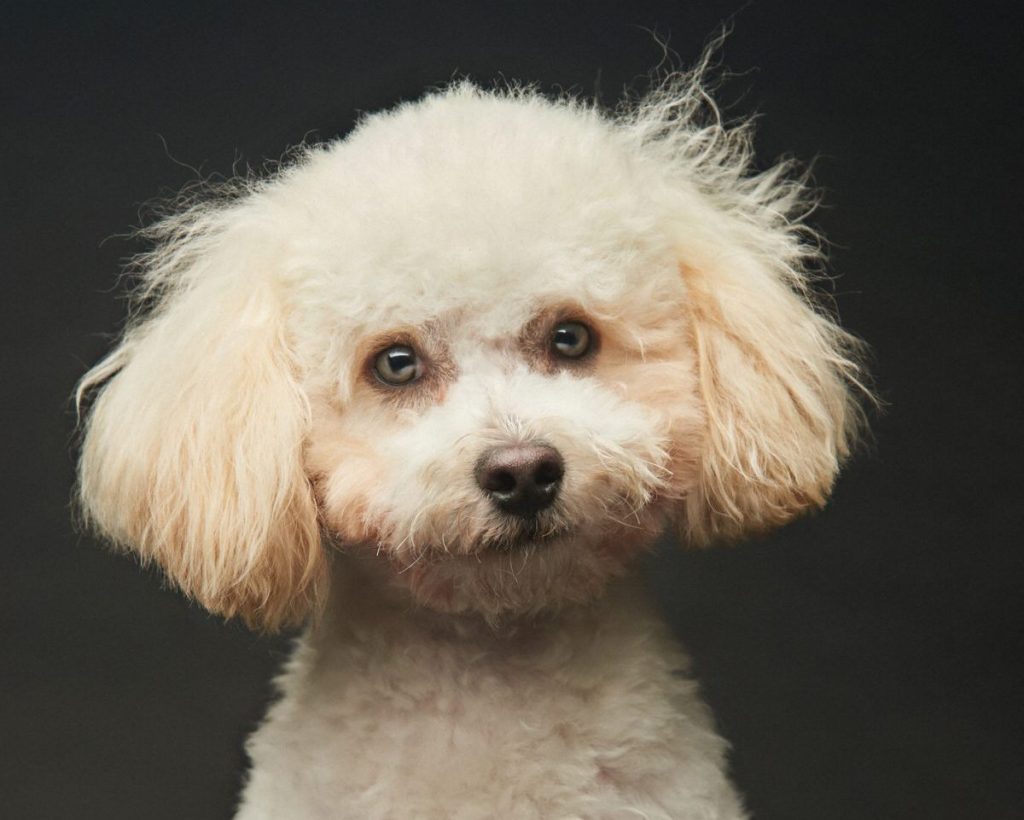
(419, 556)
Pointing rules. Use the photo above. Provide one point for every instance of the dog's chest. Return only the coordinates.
(399, 721)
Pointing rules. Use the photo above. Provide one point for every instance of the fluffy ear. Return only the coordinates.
(775, 377)
(778, 377)
(192, 454)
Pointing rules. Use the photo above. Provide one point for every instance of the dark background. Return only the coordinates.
(865, 663)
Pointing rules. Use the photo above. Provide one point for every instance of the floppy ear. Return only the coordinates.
(192, 453)
(779, 380)
(776, 376)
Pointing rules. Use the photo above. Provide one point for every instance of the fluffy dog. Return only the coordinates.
(431, 389)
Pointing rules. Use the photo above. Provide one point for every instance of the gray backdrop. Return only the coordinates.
(865, 663)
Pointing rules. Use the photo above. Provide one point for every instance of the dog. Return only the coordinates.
(430, 390)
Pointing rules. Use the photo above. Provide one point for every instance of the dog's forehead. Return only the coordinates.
(494, 289)
(491, 209)
(484, 207)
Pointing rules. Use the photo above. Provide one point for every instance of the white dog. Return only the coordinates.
(433, 387)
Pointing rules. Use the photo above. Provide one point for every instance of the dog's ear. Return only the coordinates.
(776, 379)
(780, 381)
(192, 453)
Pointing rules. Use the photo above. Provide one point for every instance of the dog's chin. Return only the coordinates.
(524, 574)
(522, 536)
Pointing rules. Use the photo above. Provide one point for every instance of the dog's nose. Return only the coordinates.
(521, 479)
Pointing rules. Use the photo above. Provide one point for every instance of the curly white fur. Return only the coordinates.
(463, 664)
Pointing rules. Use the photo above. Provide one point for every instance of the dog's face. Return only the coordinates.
(507, 439)
(490, 343)
(500, 460)
(514, 408)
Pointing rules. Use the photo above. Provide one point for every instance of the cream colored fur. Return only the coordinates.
(455, 665)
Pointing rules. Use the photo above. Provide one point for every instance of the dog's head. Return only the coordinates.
(490, 342)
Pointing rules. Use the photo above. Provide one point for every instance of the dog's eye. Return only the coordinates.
(398, 365)
(570, 340)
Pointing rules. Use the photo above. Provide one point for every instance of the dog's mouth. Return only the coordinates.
(525, 534)
(520, 536)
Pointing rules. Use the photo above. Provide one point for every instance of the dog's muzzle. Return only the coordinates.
(521, 479)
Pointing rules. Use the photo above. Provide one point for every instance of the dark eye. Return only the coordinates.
(570, 340)
(398, 365)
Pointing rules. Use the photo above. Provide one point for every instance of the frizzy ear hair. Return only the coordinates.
(192, 448)
(781, 383)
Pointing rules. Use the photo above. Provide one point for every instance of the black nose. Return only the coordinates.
(521, 479)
